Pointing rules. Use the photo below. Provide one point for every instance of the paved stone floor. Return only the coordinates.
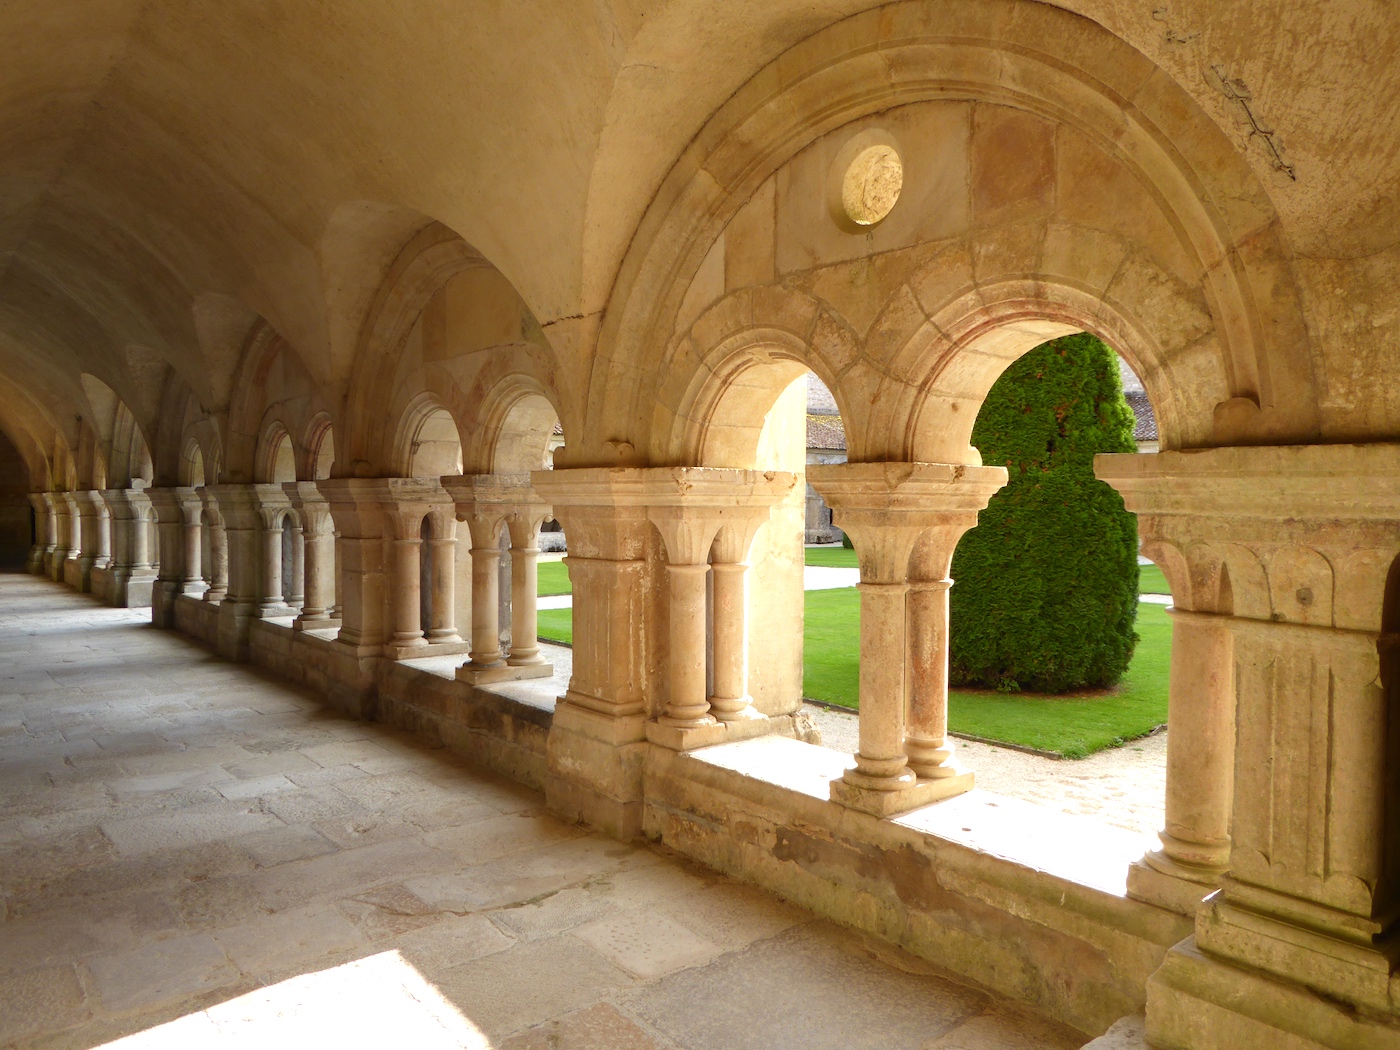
(194, 855)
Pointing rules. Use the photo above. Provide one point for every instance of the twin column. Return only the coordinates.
(489, 503)
(904, 519)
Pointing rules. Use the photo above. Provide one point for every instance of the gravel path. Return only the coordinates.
(1123, 786)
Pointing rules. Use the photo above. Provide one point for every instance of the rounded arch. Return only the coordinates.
(276, 456)
(320, 448)
(423, 266)
(516, 429)
(1057, 68)
(427, 443)
(955, 357)
(192, 464)
(728, 369)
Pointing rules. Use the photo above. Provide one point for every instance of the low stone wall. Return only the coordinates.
(486, 727)
(196, 618)
(1080, 952)
(483, 726)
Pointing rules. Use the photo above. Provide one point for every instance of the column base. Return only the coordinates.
(316, 623)
(1167, 883)
(692, 738)
(397, 651)
(914, 795)
(1336, 954)
(595, 762)
(501, 673)
(1203, 1003)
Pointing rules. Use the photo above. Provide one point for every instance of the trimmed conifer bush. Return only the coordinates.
(1046, 584)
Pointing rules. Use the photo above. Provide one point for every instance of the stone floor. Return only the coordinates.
(194, 855)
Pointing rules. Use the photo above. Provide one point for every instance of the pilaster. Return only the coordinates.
(1282, 559)
(597, 741)
(130, 577)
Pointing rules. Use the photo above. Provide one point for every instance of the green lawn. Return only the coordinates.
(1073, 726)
(557, 625)
(554, 579)
(832, 557)
(1151, 580)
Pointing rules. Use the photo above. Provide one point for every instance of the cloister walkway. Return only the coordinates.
(186, 843)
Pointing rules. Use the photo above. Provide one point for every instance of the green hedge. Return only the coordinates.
(1046, 584)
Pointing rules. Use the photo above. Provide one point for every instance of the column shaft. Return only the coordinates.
(926, 741)
(444, 585)
(486, 629)
(408, 630)
(688, 705)
(730, 701)
(881, 763)
(524, 603)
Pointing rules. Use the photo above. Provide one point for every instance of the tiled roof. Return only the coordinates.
(1146, 428)
(826, 432)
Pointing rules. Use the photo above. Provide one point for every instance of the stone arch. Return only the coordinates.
(427, 439)
(753, 342)
(1055, 68)
(276, 459)
(423, 266)
(943, 373)
(192, 464)
(319, 444)
(514, 428)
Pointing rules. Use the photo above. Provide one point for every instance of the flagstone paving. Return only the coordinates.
(193, 854)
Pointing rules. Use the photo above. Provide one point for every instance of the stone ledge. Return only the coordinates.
(1027, 901)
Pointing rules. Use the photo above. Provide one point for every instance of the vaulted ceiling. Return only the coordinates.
(171, 169)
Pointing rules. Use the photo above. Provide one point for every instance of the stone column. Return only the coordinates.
(703, 512)
(926, 736)
(177, 522)
(50, 532)
(597, 740)
(297, 598)
(487, 503)
(73, 564)
(1292, 551)
(318, 565)
(130, 577)
(524, 525)
(63, 546)
(408, 630)
(270, 601)
(43, 534)
(239, 509)
(486, 656)
(192, 579)
(90, 514)
(218, 548)
(443, 543)
(904, 520)
(729, 572)
(356, 506)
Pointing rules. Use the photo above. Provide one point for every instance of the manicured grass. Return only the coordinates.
(832, 557)
(554, 579)
(1151, 580)
(557, 625)
(1073, 726)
